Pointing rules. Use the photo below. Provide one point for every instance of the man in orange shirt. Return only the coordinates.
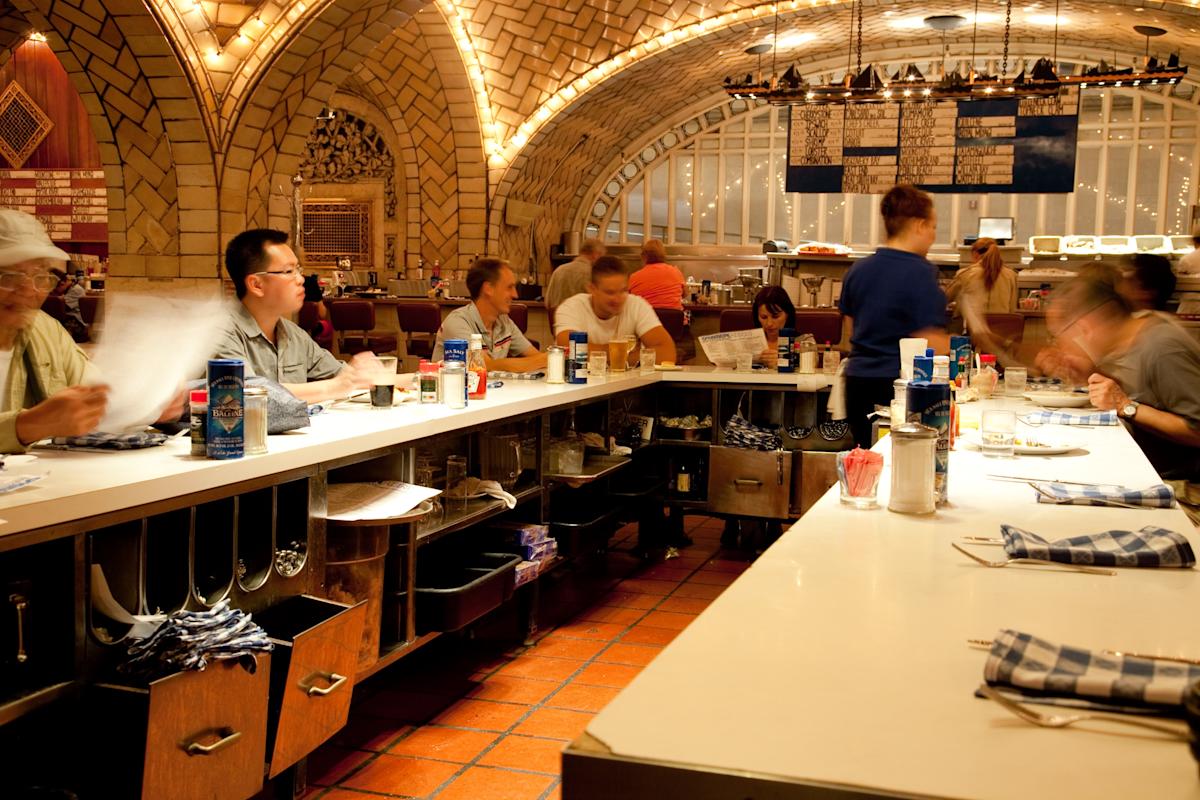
(657, 282)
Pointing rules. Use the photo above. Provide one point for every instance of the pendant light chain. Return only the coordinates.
(1007, 31)
(974, 38)
(860, 34)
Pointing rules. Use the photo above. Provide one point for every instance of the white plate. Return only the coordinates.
(1059, 399)
(1045, 448)
(667, 367)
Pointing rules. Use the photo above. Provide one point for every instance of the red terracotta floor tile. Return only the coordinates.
(329, 764)
(665, 572)
(370, 733)
(702, 591)
(443, 744)
(581, 697)
(490, 783)
(510, 689)
(644, 634)
(526, 753)
(481, 714)
(617, 676)
(684, 605)
(667, 619)
(584, 629)
(727, 565)
(554, 723)
(647, 586)
(612, 614)
(629, 599)
(556, 794)
(563, 647)
(714, 578)
(388, 774)
(634, 654)
(402, 704)
(343, 794)
(538, 668)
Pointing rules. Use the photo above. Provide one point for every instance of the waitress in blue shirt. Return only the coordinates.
(887, 297)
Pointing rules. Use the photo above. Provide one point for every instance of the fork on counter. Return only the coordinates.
(1042, 561)
(1045, 720)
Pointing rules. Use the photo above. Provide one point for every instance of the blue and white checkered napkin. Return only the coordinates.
(1148, 547)
(1036, 665)
(1065, 418)
(112, 441)
(1160, 495)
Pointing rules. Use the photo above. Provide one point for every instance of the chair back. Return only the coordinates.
(672, 320)
(55, 306)
(352, 315)
(736, 319)
(825, 326)
(1006, 326)
(419, 317)
(309, 315)
(519, 314)
(89, 307)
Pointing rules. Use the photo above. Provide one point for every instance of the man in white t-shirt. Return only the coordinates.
(609, 312)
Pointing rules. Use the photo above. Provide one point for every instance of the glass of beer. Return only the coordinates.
(618, 353)
(383, 382)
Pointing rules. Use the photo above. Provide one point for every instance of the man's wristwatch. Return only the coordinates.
(1128, 410)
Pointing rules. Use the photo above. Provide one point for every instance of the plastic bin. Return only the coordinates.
(576, 537)
(453, 594)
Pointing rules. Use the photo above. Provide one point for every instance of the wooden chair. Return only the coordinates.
(310, 319)
(825, 326)
(672, 320)
(736, 319)
(519, 314)
(419, 318)
(89, 308)
(354, 321)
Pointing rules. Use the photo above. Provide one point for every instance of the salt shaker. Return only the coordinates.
(556, 364)
(256, 420)
(913, 469)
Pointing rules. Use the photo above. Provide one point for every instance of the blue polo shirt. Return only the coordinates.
(890, 295)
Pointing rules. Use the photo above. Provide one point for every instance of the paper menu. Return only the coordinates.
(723, 348)
(351, 502)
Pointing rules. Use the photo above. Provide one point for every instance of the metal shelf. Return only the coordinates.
(476, 511)
(20, 706)
(594, 469)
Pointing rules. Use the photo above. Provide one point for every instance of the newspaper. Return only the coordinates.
(723, 349)
(378, 500)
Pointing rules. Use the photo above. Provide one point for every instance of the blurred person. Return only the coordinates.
(608, 312)
(1147, 282)
(657, 282)
(772, 311)
(70, 290)
(1190, 263)
(493, 287)
(269, 283)
(886, 297)
(323, 328)
(1148, 371)
(985, 287)
(572, 278)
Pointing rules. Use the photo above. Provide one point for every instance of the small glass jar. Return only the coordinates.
(256, 420)
(913, 469)
(454, 384)
(556, 364)
(427, 382)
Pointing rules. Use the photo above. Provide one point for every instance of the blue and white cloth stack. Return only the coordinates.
(1148, 547)
(192, 639)
(1066, 418)
(112, 441)
(1041, 667)
(1160, 495)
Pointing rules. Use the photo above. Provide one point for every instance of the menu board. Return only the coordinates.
(71, 203)
(1003, 145)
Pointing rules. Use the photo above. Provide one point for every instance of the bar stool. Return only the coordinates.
(672, 320)
(736, 319)
(354, 320)
(519, 314)
(423, 319)
(310, 319)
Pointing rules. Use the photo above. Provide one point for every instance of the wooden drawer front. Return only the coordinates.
(223, 708)
(749, 483)
(315, 701)
(818, 472)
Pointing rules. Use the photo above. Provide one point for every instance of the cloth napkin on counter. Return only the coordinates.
(112, 441)
(474, 487)
(1064, 418)
(192, 639)
(1160, 495)
(1036, 665)
(1148, 547)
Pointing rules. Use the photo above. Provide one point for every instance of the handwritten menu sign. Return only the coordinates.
(1002, 145)
(71, 203)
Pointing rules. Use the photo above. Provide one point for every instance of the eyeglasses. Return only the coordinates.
(42, 281)
(1075, 319)
(285, 272)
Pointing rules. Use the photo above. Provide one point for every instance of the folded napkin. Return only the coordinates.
(1032, 664)
(1149, 547)
(1064, 418)
(1160, 495)
(112, 441)
(474, 487)
(193, 639)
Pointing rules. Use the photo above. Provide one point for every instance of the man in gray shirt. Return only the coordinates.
(270, 287)
(1148, 371)
(573, 277)
(493, 287)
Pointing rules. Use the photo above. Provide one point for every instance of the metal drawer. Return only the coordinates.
(749, 483)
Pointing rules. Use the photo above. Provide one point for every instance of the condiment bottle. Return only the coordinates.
(476, 369)
(941, 369)
(830, 360)
(783, 351)
(985, 379)
(454, 384)
(556, 364)
(256, 420)
(913, 447)
(198, 421)
(428, 382)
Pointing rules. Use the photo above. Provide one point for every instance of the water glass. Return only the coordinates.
(997, 432)
(646, 359)
(745, 362)
(456, 473)
(597, 367)
(1014, 381)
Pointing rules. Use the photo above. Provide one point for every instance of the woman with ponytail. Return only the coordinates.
(987, 286)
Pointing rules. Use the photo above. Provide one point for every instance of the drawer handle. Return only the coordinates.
(20, 604)
(747, 482)
(229, 737)
(318, 691)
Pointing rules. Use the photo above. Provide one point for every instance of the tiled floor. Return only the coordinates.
(486, 723)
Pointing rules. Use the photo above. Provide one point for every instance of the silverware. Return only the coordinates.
(1040, 424)
(1063, 720)
(1025, 479)
(987, 645)
(984, 540)
(1010, 561)
(1066, 501)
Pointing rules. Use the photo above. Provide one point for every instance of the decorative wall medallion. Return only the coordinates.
(23, 125)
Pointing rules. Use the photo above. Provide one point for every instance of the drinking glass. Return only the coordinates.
(618, 353)
(456, 473)
(424, 476)
(597, 367)
(1014, 381)
(859, 489)
(745, 362)
(997, 432)
(383, 382)
(646, 359)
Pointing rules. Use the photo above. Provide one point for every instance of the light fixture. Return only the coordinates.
(37, 37)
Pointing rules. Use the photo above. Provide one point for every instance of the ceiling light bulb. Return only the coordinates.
(37, 37)
(887, 93)
(810, 95)
(927, 92)
(988, 90)
(908, 92)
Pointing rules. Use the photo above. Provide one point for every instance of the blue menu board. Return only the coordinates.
(1002, 145)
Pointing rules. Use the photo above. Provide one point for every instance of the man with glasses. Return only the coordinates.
(1147, 369)
(270, 287)
(41, 369)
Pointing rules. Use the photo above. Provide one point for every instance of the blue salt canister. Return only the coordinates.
(226, 408)
(929, 404)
